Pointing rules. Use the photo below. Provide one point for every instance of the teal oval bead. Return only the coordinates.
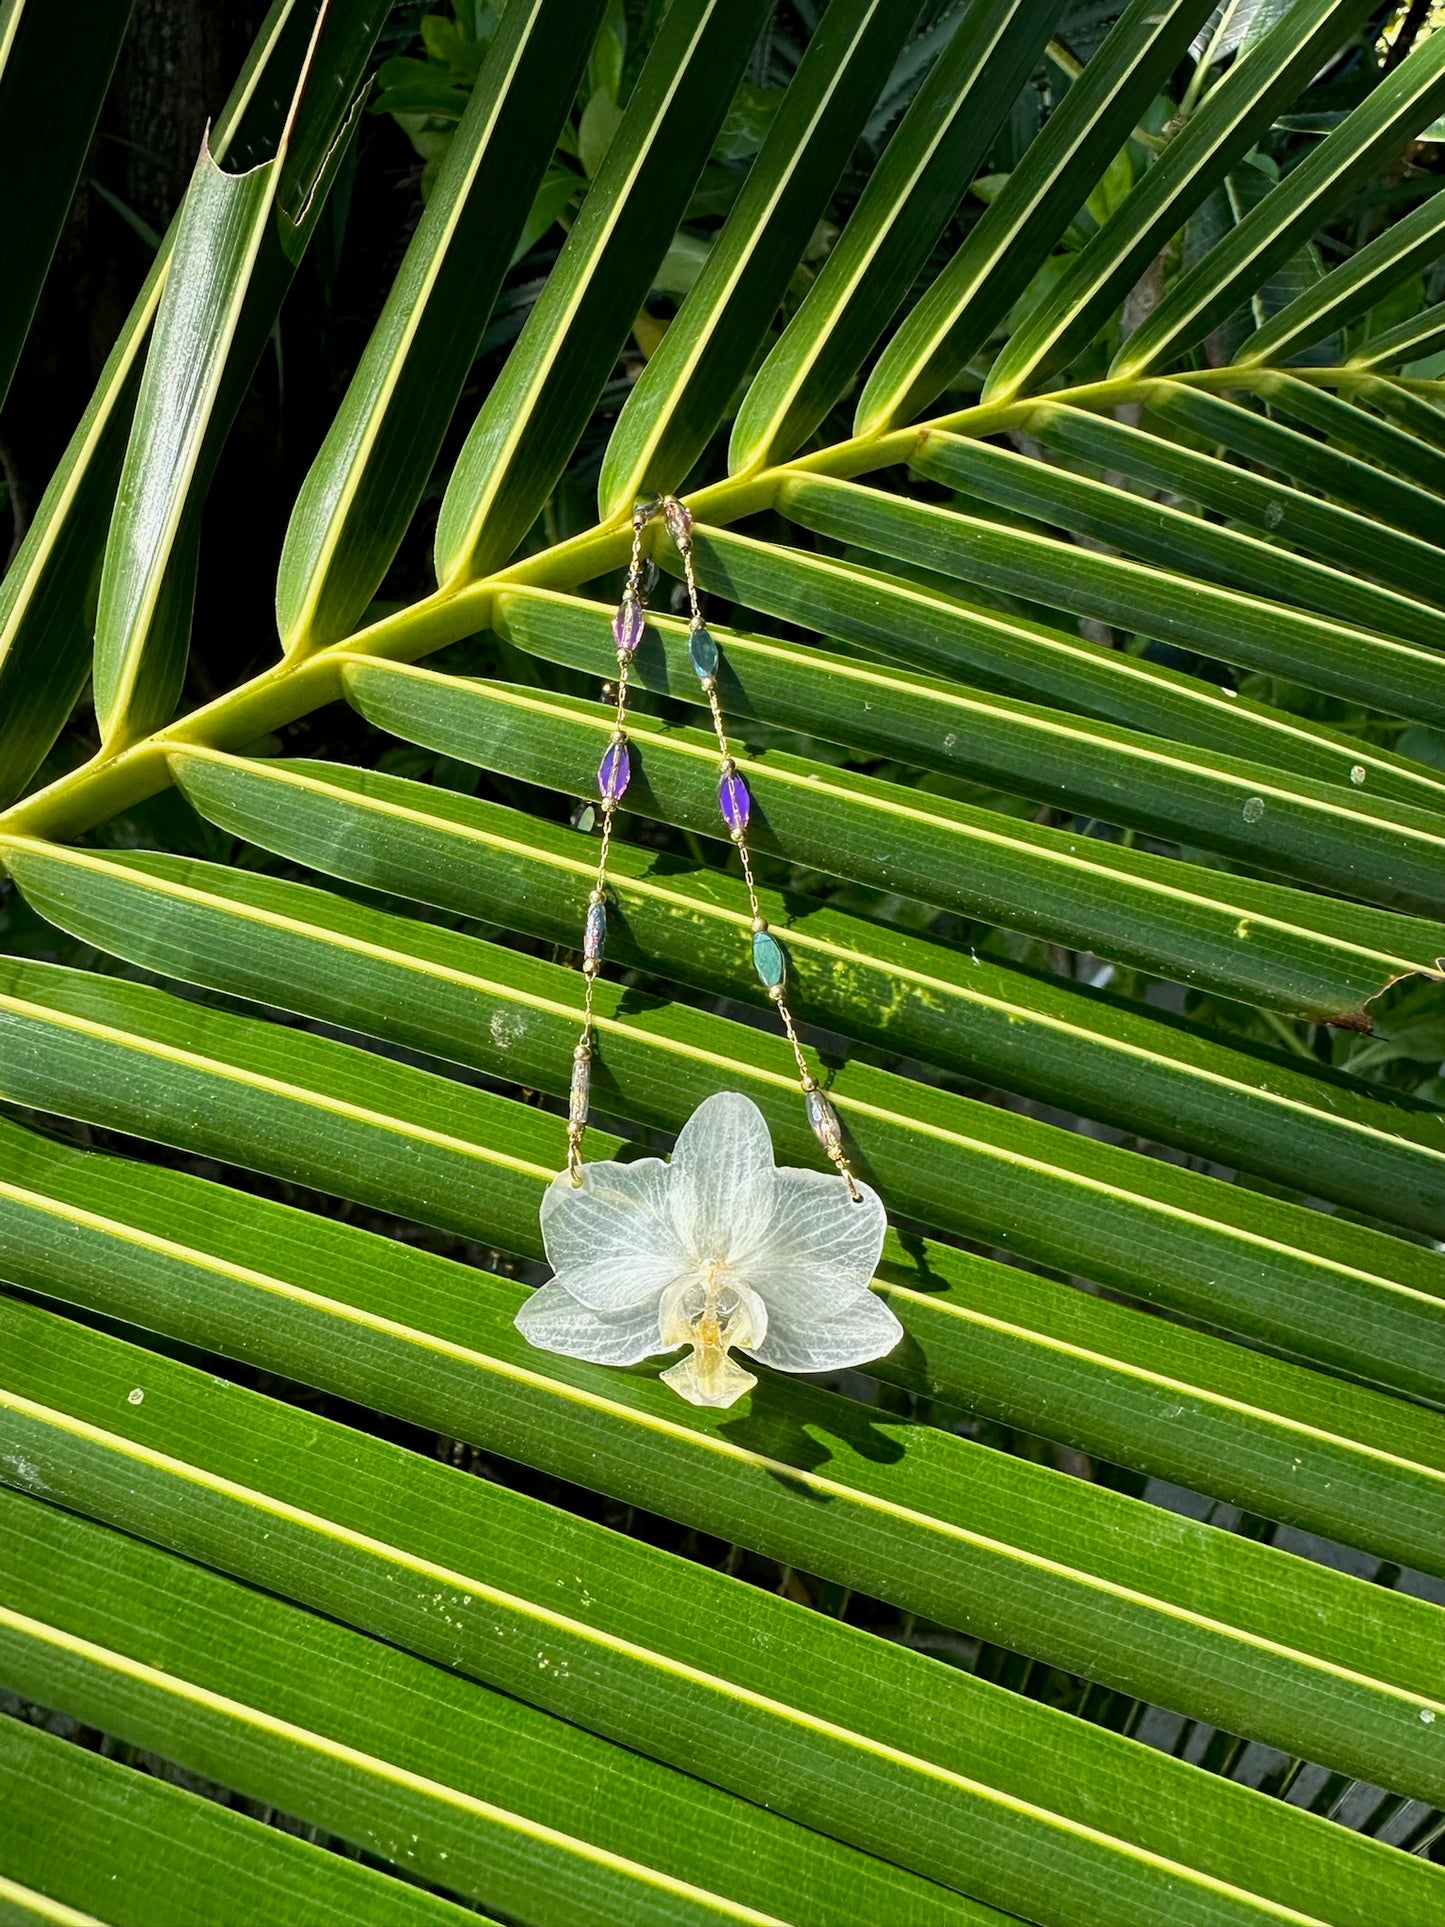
(703, 651)
(769, 959)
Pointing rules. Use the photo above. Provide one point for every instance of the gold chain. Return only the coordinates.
(769, 957)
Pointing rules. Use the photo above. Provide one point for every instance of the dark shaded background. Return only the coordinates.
(180, 60)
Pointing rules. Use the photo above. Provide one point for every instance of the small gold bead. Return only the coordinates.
(810, 1083)
(597, 896)
(590, 966)
(760, 924)
(777, 993)
(582, 1053)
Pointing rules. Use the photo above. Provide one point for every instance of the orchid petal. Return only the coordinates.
(554, 1320)
(611, 1237)
(721, 1193)
(817, 1252)
(865, 1331)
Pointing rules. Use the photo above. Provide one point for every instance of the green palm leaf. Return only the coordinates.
(940, 141)
(402, 1533)
(47, 596)
(1231, 119)
(225, 1705)
(46, 132)
(91, 1834)
(364, 486)
(1092, 731)
(998, 259)
(1398, 108)
(1007, 1026)
(685, 389)
(528, 425)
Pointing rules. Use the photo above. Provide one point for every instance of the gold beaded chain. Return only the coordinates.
(613, 774)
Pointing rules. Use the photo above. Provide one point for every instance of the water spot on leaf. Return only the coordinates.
(507, 1027)
(26, 1474)
(1254, 809)
(1358, 773)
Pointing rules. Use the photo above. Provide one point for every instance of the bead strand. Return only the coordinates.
(770, 960)
(614, 773)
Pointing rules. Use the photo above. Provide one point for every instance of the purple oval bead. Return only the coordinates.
(627, 627)
(734, 802)
(614, 772)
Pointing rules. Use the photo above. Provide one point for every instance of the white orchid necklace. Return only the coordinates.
(720, 1249)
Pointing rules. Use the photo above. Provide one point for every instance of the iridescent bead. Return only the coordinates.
(703, 651)
(734, 802)
(678, 518)
(614, 772)
(581, 1088)
(594, 932)
(627, 627)
(769, 959)
(823, 1120)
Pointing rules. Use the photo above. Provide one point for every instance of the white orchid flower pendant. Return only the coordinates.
(719, 1250)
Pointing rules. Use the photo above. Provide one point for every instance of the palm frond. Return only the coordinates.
(1092, 728)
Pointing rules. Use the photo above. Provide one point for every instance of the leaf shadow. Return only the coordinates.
(783, 1424)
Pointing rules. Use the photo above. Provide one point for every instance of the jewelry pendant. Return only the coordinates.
(719, 1250)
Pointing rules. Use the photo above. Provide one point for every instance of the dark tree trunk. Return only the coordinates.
(174, 77)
